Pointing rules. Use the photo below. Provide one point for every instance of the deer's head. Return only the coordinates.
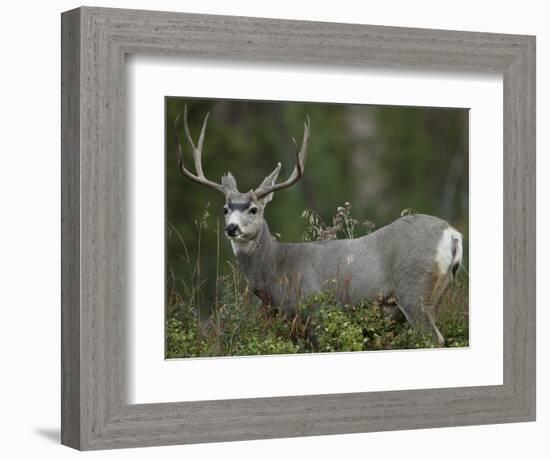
(244, 212)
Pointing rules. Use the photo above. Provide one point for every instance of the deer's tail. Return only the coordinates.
(449, 251)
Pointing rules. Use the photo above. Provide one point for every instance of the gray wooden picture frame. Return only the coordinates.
(95, 41)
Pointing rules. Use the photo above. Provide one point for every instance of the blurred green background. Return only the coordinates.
(381, 159)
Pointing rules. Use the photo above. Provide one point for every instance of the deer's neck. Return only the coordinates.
(256, 258)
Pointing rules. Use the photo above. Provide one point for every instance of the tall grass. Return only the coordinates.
(240, 325)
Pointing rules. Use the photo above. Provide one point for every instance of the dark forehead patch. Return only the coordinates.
(239, 204)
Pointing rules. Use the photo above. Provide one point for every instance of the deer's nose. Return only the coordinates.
(231, 229)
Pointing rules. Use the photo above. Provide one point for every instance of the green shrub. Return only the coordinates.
(335, 331)
(268, 345)
(240, 326)
(183, 335)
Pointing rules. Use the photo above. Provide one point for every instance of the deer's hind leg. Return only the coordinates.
(417, 302)
(441, 285)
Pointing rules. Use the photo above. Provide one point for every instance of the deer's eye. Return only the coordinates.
(253, 211)
(225, 210)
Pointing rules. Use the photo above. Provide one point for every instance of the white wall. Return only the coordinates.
(29, 229)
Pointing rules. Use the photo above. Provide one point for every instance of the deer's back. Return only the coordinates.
(366, 267)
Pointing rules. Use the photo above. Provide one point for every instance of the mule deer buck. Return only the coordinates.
(411, 260)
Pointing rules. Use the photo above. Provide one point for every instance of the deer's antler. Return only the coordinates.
(197, 153)
(301, 154)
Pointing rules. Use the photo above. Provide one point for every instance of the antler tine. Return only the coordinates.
(199, 177)
(301, 155)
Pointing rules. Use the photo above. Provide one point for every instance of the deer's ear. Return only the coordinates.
(269, 181)
(229, 183)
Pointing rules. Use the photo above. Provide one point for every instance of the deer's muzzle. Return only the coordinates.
(232, 229)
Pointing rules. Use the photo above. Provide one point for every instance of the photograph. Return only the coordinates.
(302, 227)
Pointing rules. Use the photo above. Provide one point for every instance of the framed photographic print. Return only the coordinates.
(286, 228)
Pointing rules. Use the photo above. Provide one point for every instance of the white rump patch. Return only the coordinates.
(444, 256)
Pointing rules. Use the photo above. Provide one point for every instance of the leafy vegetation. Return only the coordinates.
(240, 325)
